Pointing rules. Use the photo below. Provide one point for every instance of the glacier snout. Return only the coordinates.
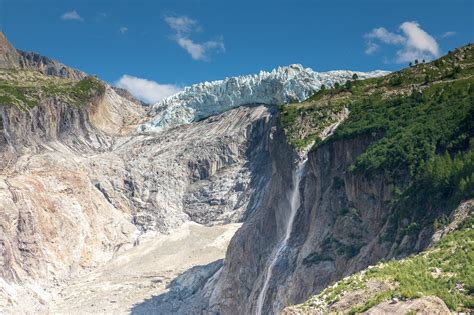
(293, 83)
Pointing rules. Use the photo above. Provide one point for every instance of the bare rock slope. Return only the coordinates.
(78, 186)
(72, 204)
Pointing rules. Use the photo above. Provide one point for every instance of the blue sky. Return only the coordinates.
(180, 42)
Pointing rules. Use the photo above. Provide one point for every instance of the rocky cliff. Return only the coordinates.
(417, 283)
(362, 197)
(9, 57)
(13, 58)
(77, 188)
(355, 211)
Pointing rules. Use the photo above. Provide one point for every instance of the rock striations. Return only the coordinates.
(78, 186)
(9, 57)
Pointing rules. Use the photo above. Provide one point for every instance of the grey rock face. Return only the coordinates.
(11, 58)
(34, 61)
(208, 171)
(126, 94)
(339, 229)
(54, 221)
(78, 186)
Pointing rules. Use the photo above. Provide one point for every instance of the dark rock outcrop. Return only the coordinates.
(11, 58)
(47, 66)
(126, 94)
(340, 228)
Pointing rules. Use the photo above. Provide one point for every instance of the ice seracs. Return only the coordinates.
(280, 86)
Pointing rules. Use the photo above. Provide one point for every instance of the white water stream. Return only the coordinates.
(294, 198)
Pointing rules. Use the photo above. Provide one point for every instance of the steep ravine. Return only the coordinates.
(338, 230)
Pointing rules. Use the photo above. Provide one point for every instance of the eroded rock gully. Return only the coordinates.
(79, 187)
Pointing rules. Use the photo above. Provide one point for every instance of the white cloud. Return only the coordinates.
(385, 36)
(146, 90)
(371, 48)
(448, 34)
(183, 27)
(419, 45)
(182, 24)
(71, 16)
(122, 30)
(414, 42)
(199, 51)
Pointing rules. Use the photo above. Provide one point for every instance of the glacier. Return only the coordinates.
(292, 83)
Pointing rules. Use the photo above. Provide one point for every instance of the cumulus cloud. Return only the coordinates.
(199, 51)
(71, 16)
(146, 90)
(183, 27)
(122, 30)
(419, 44)
(414, 42)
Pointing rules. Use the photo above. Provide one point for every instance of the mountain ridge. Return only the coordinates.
(11, 58)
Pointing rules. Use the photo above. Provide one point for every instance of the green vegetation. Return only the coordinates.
(374, 102)
(314, 258)
(445, 270)
(314, 117)
(441, 183)
(411, 128)
(420, 123)
(25, 88)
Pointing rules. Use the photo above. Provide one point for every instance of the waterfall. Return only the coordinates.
(294, 198)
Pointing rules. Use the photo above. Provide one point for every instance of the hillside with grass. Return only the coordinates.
(421, 122)
(26, 88)
(377, 104)
(420, 126)
(445, 272)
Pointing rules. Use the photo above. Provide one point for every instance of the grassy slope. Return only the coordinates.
(25, 88)
(445, 270)
(363, 97)
(421, 120)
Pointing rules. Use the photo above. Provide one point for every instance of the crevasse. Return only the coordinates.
(293, 83)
